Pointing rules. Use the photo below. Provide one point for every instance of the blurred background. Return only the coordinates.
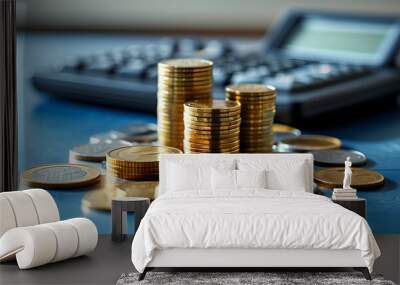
(250, 17)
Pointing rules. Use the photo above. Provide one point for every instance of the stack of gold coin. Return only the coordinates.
(212, 126)
(180, 80)
(257, 113)
(137, 163)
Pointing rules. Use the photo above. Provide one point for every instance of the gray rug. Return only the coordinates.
(269, 278)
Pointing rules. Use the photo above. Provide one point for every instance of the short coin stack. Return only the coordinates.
(211, 127)
(137, 163)
(180, 80)
(257, 113)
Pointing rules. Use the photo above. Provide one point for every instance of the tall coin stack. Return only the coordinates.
(180, 80)
(212, 126)
(135, 163)
(257, 113)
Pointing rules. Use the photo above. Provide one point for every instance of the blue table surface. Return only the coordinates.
(48, 128)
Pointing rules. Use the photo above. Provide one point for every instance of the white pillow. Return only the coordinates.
(284, 174)
(223, 179)
(251, 178)
(230, 180)
(183, 176)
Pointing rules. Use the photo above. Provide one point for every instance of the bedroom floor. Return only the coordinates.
(110, 260)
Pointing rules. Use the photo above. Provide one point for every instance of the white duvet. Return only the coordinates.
(250, 219)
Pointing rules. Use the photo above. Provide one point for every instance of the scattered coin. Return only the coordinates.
(96, 151)
(100, 196)
(309, 143)
(97, 200)
(138, 163)
(133, 133)
(338, 156)
(100, 165)
(61, 176)
(361, 178)
(146, 189)
(284, 132)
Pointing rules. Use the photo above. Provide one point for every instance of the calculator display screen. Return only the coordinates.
(339, 39)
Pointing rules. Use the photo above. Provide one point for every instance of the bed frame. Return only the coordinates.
(240, 259)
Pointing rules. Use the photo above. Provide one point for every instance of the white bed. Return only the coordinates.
(249, 227)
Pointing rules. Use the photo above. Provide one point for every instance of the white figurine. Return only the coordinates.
(347, 174)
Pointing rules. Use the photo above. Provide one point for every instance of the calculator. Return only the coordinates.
(319, 62)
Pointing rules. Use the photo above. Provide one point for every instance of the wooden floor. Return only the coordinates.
(110, 260)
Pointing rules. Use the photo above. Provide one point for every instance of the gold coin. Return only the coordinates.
(361, 178)
(191, 150)
(266, 150)
(211, 120)
(261, 144)
(179, 82)
(264, 146)
(140, 153)
(189, 64)
(211, 114)
(250, 89)
(208, 135)
(98, 200)
(164, 130)
(252, 97)
(250, 133)
(146, 189)
(129, 169)
(211, 145)
(170, 117)
(100, 196)
(189, 89)
(280, 128)
(184, 84)
(262, 113)
(212, 141)
(253, 104)
(192, 108)
(55, 176)
(124, 169)
(182, 97)
(194, 122)
(133, 165)
(256, 107)
(128, 172)
(149, 177)
(185, 76)
(171, 102)
(232, 128)
(256, 136)
(310, 142)
(212, 105)
(184, 90)
(258, 122)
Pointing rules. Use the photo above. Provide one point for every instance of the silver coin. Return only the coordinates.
(137, 133)
(95, 152)
(338, 157)
(100, 165)
(61, 176)
(278, 136)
